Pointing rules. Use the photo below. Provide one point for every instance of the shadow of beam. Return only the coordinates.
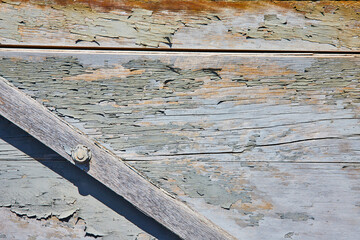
(86, 184)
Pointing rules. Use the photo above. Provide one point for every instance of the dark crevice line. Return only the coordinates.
(247, 128)
(201, 161)
(178, 50)
(248, 148)
(256, 162)
(304, 140)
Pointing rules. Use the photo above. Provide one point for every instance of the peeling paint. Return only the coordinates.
(84, 24)
(201, 185)
(17, 227)
(139, 25)
(289, 235)
(255, 219)
(322, 26)
(187, 24)
(221, 132)
(182, 109)
(296, 216)
(44, 200)
(144, 236)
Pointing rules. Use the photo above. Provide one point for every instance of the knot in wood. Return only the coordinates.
(81, 154)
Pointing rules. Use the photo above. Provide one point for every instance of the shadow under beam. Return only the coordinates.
(86, 184)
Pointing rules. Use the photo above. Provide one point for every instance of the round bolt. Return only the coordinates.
(81, 154)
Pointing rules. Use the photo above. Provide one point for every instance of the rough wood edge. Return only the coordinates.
(104, 166)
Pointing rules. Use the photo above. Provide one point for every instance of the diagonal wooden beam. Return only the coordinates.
(104, 166)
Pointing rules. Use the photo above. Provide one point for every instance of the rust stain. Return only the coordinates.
(153, 5)
(103, 74)
(190, 5)
(256, 205)
(255, 70)
(337, 22)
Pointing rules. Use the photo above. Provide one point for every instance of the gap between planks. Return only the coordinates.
(220, 161)
(117, 50)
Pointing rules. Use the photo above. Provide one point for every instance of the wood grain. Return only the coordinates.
(231, 134)
(267, 200)
(304, 201)
(104, 166)
(183, 24)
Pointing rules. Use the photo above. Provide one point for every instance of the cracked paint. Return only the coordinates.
(327, 25)
(295, 216)
(36, 202)
(13, 226)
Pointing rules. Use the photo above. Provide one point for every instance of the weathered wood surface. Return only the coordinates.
(291, 200)
(191, 24)
(36, 203)
(56, 134)
(43, 196)
(264, 145)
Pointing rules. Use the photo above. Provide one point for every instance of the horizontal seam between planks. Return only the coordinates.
(200, 161)
(60, 47)
(254, 162)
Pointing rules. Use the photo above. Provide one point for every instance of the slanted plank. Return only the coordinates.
(104, 166)
(183, 24)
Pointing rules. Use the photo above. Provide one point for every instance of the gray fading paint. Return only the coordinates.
(295, 216)
(16, 227)
(117, 113)
(32, 190)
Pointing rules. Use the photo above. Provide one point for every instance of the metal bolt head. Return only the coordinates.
(81, 154)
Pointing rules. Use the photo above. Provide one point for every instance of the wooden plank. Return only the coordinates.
(270, 107)
(183, 24)
(104, 166)
(267, 200)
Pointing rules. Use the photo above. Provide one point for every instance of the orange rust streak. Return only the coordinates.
(103, 74)
(154, 5)
(250, 207)
(191, 5)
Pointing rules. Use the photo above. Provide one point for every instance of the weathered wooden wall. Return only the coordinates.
(201, 24)
(264, 145)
